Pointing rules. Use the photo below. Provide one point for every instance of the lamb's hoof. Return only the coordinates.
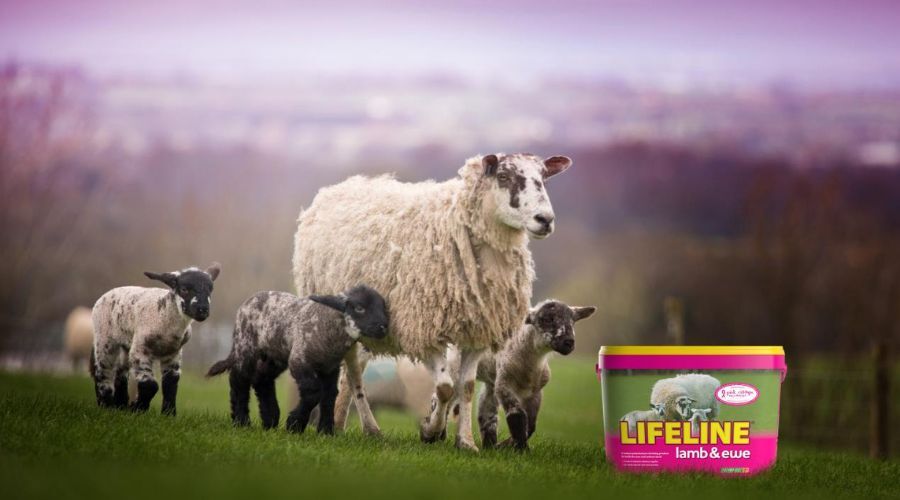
(373, 432)
(467, 445)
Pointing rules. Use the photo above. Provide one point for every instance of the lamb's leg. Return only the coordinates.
(105, 366)
(264, 386)
(326, 405)
(239, 380)
(532, 408)
(434, 425)
(352, 386)
(142, 372)
(468, 364)
(171, 374)
(516, 418)
(487, 416)
(310, 394)
(120, 398)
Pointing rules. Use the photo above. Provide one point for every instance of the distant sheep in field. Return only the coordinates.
(274, 331)
(451, 258)
(516, 375)
(655, 413)
(135, 326)
(681, 393)
(78, 337)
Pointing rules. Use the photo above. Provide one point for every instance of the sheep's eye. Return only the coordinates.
(359, 309)
(184, 289)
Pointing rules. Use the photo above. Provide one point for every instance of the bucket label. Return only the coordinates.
(737, 394)
(720, 421)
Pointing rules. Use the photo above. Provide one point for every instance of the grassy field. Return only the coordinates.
(55, 443)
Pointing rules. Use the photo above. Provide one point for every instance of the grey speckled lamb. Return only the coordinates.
(135, 326)
(275, 331)
(516, 375)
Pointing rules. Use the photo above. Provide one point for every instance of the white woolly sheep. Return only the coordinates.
(683, 392)
(135, 326)
(516, 375)
(274, 331)
(451, 258)
(655, 413)
(78, 337)
(698, 415)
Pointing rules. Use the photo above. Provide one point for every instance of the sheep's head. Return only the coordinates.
(192, 288)
(516, 184)
(684, 405)
(659, 408)
(364, 309)
(555, 323)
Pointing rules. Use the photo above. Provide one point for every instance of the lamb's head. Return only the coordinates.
(554, 323)
(364, 309)
(700, 415)
(659, 409)
(192, 288)
(516, 190)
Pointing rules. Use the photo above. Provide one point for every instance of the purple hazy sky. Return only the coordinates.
(807, 41)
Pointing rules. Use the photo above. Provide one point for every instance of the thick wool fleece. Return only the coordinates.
(449, 271)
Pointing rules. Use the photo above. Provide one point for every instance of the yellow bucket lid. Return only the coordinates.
(692, 350)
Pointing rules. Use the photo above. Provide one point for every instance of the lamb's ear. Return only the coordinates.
(556, 165)
(529, 319)
(583, 312)
(170, 279)
(335, 302)
(490, 163)
(213, 270)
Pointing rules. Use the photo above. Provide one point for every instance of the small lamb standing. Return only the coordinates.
(274, 331)
(698, 415)
(78, 337)
(655, 413)
(516, 375)
(135, 326)
(452, 259)
(683, 392)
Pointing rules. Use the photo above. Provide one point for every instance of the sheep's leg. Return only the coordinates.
(468, 364)
(310, 394)
(352, 386)
(532, 408)
(264, 386)
(120, 398)
(171, 374)
(487, 417)
(142, 372)
(239, 381)
(105, 366)
(434, 425)
(326, 405)
(516, 418)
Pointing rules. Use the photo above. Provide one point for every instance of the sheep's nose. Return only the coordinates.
(569, 344)
(545, 219)
(203, 311)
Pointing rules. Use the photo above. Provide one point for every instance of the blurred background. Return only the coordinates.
(736, 178)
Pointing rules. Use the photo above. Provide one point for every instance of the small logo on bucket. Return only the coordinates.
(737, 394)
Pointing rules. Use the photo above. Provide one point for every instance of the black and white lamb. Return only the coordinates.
(517, 374)
(136, 326)
(310, 336)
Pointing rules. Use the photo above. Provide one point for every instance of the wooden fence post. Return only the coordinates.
(879, 439)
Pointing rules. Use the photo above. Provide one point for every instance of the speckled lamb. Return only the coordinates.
(135, 326)
(275, 331)
(517, 374)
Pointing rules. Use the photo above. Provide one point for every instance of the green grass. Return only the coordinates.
(55, 443)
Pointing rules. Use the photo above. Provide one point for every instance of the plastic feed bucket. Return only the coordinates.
(691, 408)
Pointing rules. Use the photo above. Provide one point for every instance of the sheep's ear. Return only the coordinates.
(335, 302)
(529, 319)
(170, 279)
(213, 270)
(556, 165)
(490, 163)
(583, 312)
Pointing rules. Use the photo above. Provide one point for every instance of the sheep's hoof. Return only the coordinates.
(467, 445)
(374, 432)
